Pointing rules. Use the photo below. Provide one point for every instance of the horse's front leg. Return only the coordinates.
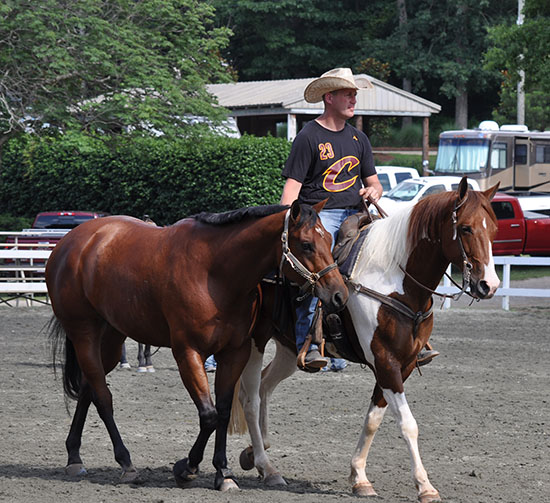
(193, 375)
(256, 455)
(409, 429)
(361, 486)
(231, 363)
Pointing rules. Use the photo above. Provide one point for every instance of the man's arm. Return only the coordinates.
(372, 187)
(291, 191)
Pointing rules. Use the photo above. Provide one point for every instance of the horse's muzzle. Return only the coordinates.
(480, 289)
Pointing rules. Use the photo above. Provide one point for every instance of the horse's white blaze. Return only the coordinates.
(489, 273)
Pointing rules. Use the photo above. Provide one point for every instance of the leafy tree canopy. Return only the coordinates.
(107, 65)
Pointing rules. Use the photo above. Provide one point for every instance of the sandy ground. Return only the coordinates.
(482, 408)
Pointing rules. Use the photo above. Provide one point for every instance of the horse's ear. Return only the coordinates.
(295, 210)
(490, 193)
(320, 205)
(462, 188)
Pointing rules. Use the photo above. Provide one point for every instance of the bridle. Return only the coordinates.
(312, 278)
(466, 264)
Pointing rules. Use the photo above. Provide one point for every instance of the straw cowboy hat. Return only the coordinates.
(337, 78)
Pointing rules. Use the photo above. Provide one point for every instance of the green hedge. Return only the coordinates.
(166, 179)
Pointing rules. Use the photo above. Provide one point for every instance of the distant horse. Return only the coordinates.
(145, 362)
(192, 287)
(403, 258)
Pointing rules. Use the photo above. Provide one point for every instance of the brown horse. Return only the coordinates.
(404, 258)
(191, 287)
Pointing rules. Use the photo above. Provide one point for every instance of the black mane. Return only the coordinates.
(234, 216)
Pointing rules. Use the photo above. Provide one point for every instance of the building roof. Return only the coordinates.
(287, 97)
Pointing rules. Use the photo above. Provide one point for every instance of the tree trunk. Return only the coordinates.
(461, 109)
(407, 86)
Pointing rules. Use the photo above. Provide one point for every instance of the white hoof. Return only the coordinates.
(141, 369)
(151, 369)
(229, 485)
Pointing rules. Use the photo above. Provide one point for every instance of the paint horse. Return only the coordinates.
(404, 257)
(192, 287)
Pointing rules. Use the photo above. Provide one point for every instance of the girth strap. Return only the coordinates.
(395, 304)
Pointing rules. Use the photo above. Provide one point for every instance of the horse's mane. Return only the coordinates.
(308, 216)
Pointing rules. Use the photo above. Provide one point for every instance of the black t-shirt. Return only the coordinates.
(330, 164)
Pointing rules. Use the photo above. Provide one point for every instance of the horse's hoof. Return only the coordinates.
(228, 485)
(183, 473)
(246, 459)
(150, 368)
(129, 476)
(224, 480)
(275, 479)
(364, 489)
(429, 498)
(141, 370)
(76, 470)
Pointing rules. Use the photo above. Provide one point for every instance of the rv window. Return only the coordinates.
(498, 156)
(521, 154)
(542, 154)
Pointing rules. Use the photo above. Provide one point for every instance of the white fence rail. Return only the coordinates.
(505, 291)
(22, 268)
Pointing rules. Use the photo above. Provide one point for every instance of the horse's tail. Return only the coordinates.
(237, 421)
(62, 348)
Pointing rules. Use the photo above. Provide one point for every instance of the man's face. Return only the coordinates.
(343, 102)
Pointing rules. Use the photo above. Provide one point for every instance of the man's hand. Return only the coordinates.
(365, 192)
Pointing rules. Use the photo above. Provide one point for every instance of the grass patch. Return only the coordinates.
(517, 272)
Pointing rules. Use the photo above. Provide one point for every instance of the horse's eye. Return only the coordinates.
(307, 247)
(466, 229)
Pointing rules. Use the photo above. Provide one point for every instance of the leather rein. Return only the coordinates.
(402, 308)
(312, 278)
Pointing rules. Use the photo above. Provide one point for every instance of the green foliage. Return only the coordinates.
(409, 160)
(108, 65)
(514, 48)
(11, 223)
(166, 179)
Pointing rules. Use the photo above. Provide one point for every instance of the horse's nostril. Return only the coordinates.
(338, 300)
(483, 288)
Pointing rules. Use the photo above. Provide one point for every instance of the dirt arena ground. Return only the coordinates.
(482, 408)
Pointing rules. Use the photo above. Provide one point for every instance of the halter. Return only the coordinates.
(311, 277)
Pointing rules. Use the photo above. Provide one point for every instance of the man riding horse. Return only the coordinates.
(330, 159)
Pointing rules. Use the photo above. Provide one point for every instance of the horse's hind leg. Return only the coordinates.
(142, 366)
(148, 359)
(98, 347)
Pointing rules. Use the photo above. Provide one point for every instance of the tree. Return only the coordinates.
(281, 39)
(107, 65)
(445, 42)
(525, 47)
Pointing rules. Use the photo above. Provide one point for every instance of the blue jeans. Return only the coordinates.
(332, 220)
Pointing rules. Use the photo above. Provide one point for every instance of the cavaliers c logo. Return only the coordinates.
(331, 182)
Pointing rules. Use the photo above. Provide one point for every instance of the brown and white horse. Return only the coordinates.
(403, 257)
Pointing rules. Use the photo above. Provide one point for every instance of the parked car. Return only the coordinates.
(390, 176)
(519, 232)
(63, 219)
(50, 226)
(409, 192)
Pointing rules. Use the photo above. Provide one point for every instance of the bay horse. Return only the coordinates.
(191, 286)
(404, 257)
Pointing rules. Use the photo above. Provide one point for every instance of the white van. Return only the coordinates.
(390, 176)
(409, 192)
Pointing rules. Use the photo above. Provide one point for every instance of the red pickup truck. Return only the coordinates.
(519, 232)
(50, 226)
